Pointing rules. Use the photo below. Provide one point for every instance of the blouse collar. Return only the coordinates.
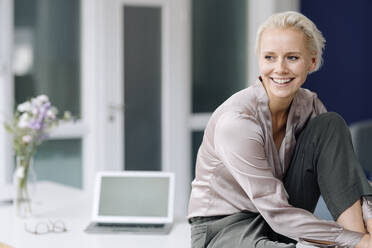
(263, 102)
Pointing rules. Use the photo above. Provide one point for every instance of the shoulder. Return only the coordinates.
(244, 101)
(234, 126)
(238, 112)
(306, 94)
(310, 100)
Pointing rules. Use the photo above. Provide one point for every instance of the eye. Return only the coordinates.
(292, 58)
(269, 57)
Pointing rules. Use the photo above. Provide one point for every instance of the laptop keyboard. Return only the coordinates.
(137, 228)
(121, 225)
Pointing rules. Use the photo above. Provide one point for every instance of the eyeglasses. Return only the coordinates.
(57, 226)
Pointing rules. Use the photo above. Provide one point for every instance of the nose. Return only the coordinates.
(281, 66)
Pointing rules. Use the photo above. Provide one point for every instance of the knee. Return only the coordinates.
(330, 120)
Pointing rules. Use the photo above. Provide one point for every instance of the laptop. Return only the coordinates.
(132, 202)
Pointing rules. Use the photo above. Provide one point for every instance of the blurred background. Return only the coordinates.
(144, 76)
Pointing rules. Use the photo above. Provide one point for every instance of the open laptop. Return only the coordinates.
(133, 201)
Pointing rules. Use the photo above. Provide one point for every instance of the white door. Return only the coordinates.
(147, 89)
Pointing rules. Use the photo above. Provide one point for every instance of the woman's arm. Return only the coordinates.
(239, 143)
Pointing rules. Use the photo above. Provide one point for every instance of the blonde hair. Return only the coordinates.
(291, 19)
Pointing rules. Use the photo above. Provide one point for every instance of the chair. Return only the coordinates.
(361, 135)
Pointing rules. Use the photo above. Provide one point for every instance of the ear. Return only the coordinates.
(313, 64)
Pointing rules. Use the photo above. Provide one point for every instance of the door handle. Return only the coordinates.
(113, 109)
(116, 107)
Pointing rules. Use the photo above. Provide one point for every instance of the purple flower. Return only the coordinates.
(35, 125)
(33, 120)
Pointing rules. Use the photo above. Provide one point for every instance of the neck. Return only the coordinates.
(279, 113)
(279, 108)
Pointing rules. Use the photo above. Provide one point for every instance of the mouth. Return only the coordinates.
(282, 81)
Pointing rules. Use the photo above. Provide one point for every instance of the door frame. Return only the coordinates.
(115, 86)
(176, 90)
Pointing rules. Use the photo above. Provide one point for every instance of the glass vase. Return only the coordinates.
(24, 181)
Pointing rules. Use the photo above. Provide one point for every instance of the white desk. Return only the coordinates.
(73, 206)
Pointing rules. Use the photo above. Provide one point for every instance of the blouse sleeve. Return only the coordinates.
(239, 143)
(367, 207)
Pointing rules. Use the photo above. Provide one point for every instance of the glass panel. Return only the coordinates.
(197, 138)
(47, 52)
(219, 42)
(60, 161)
(142, 88)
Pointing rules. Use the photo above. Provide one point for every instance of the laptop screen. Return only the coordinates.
(134, 196)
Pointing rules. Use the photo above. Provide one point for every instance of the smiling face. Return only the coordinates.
(284, 62)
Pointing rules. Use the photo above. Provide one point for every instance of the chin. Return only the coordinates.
(284, 96)
(283, 91)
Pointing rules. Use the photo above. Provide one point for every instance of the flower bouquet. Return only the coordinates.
(30, 126)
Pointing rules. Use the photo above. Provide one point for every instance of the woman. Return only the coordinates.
(271, 149)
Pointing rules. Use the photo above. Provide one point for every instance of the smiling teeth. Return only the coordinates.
(281, 81)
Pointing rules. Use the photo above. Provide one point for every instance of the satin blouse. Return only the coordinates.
(239, 168)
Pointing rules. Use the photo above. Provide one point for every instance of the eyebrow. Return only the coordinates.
(291, 52)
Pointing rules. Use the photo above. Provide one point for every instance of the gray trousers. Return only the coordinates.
(323, 163)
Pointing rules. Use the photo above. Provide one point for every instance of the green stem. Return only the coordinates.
(23, 198)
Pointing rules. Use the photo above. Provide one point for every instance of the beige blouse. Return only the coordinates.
(239, 168)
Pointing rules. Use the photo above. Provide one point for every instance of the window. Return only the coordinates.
(219, 48)
(142, 88)
(46, 60)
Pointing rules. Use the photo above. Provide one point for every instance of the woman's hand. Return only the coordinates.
(369, 225)
(365, 242)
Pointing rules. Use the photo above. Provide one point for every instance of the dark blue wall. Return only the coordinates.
(344, 83)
